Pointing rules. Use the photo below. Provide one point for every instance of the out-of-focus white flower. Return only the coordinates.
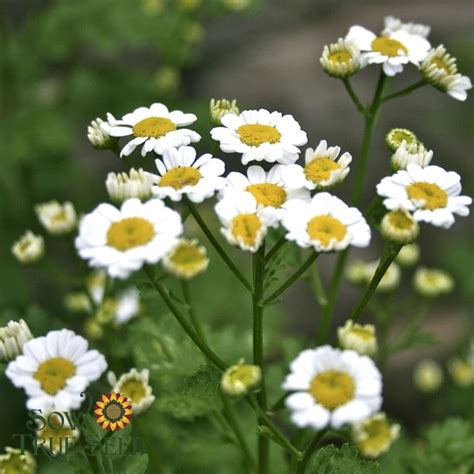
(221, 107)
(127, 305)
(399, 226)
(12, 339)
(239, 379)
(55, 432)
(396, 136)
(408, 255)
(431, 282)
(393, 25)
(134, 184)
(29, 248)
(358, 337)
(356, 272)
(414, 153)
(428, 376)
(332, 387)
(16, 461)
(462, 371)
(98, 134)
(57, 218)
(341, 59)
(187, 259)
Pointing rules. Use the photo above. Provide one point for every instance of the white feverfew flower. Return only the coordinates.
(341, 59)
(123, 240)
(17, 461)
(326, 224)
(396, 136)
(244, 223)
(127, 305)
(181, 174)
(268, 188)
(322, 170)
(332, 387)
(239, 379)
(12, 339)
(55, 369)
(134, 184)
(98, 134)
(392, 25)
(29, 248)
(432, 282)
(392, 50)
(440, 70)
(358, 337)
(260, 135)
(57, 218)
(431, 194)
(374, 436)
(407, 154)
(55, 432)
(155, 128)
(187, 259)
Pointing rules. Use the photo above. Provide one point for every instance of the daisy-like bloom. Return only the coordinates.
(244, 222)
(374, 436)
(396, 136)
(399, 226)
(326, 223)
(358, 337)
(181, 174)
(187, 259)
(431, 282)
(123, 240)
(29, 248)
(16, 461)
(341, 59)
(57, 218)
(55, 369)
(156, 128)
(332, 387)
(428, 376)
(136, 387)
(440, 70)
(393, 50)
(12, 339)
(98, 134)
(431, 194)
(322, 169)
(241, 378)
(57, 435)
(113, 411)
(462, 371)
(408, 255)
(414, 153)
(268, 188)
(134, 184)
(221, 107)
(393, 25)
(389, 281)
(261, 135)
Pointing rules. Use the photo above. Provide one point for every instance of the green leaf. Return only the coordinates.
(344, 460)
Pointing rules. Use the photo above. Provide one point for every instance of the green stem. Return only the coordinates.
(275, 249)
(353, 95)
(309, 450)
(192, 313)
(389, 252)
(321, 297)
(182, 320)
(208, 233)
(301, 270)
(279, 404)
(405, 91)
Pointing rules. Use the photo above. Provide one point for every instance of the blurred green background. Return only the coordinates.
(65, 62)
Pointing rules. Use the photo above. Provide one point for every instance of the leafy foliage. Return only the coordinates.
(332, 460)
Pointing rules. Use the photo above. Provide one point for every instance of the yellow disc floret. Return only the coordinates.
(180, 177)
(246, 228)
(129, 233)
(320, 169)
(268, 194)
(153, 127)
(389, 47)
(325, 228)
(332, 388)
(432, 196)
(257, 134)
(53, 374)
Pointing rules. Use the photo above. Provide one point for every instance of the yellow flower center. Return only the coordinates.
(187, 256)
(389, 47)
(245, 227)
(153, 127)
(431, 194)
(320, 169)
(53, 373)
(134, 390)
(180, 177)
(399, 135)
(15, 464)
(129, 233)
(60, 216)
(332, 388)
(55, 434)
(446, 68)
(244, 373)
(326, 228)
(256, 134)
(377, 436)
(340, 57)
(400, 220)
(362, 333)
(113, 411)
(268, 194)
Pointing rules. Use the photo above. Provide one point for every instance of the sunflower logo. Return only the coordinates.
(113, 411)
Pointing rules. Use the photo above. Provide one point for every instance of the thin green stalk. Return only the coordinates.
(301, 270)
(279, 404)
(405, 91)
(276, 248)
(192, 313)
(182, 320)
(208, 233)
(353, 95)
(319, 291)
(389, 252)
(309, 450)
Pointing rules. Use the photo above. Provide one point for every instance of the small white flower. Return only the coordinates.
(413, 153)
(396, 136)
(55, 369)
(55, 431)
(57, 218)
(95, 284)
(187, 259)
(134, 184)
(267, 188)
(440, 70)
(136, 387)
(244, 223)
(322, 168)
(261, 135)
(428, 376)
(393, 25)
(326, 223)
(98, 134)
(127, 305)
(374, 436)
(332, 387)
(399, 226)
(29, 248)
(358, 337)
(431, 194)
(239, 379)
(12, 339)
(408, 255)
(17, 461)
(431, 282)
(156, 128)
(123, 240)
(221, 107)
(181, 174)
(341, 59)
(393, 50)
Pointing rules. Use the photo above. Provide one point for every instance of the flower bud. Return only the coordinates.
(12, 338)
(240, 378)
(57, 218)
(462, 371)
(428, 376)
(431, 282)
(98, 134)
(135, 184)
(221, 107)
(413, 153)
(397, 136)
(358, 337)
(187, 259)
(77, 302)
(29, 248)
(399, 226)
(341, 59)
(409, 255)
(17, 461)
